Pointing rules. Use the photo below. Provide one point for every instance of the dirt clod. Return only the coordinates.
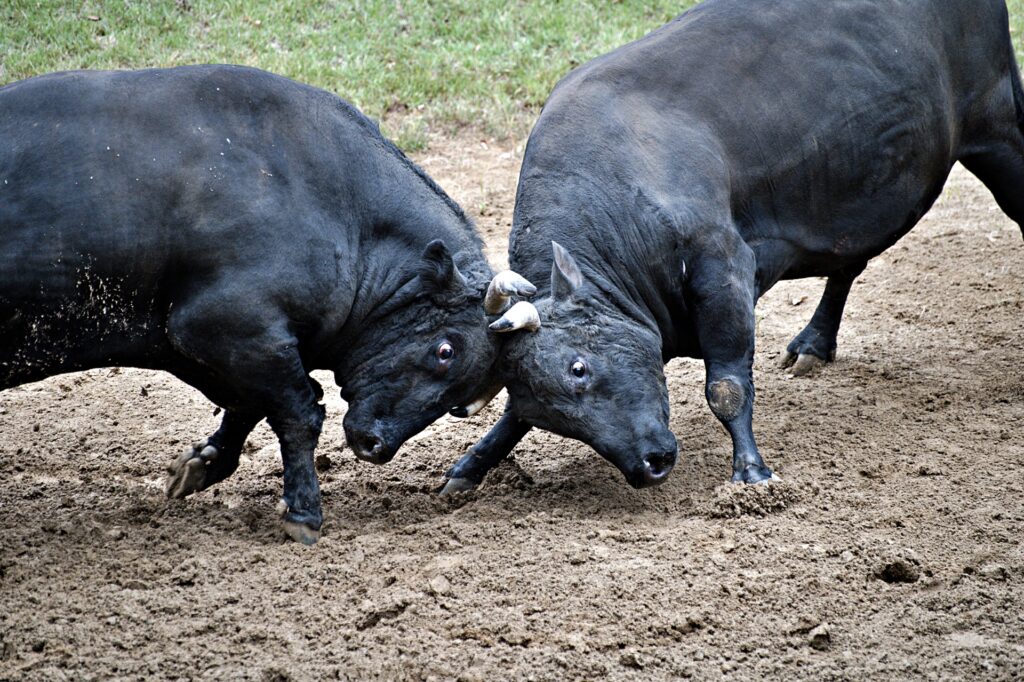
(732, 500)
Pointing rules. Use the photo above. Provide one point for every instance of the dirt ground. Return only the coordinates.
(892, 549)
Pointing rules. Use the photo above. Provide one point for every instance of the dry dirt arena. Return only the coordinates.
(892, 549)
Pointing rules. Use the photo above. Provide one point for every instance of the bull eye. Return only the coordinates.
(445, 352)
(578, 369)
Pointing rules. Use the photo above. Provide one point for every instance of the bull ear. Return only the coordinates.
(438, 270)
(566, 277)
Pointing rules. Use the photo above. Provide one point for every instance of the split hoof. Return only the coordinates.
(458, 485)
(301, 533)
(802, 364)
(187, 474)
(297, 531)
(755, 475)
(775, 478)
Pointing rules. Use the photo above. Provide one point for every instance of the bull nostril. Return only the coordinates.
(659, 464)
(368, 446)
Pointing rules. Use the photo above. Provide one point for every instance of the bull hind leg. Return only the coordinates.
(1000, 168)
(258, 362)
(816, 344)
(211, 460)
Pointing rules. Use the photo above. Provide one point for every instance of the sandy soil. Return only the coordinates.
(892, 549)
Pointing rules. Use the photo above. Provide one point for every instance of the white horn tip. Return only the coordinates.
(522, 315)
(504, 285)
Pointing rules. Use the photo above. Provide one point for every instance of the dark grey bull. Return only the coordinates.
(238, 230)
(688, 172)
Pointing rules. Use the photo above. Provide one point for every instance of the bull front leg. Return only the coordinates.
(470, 470)
(724, 294)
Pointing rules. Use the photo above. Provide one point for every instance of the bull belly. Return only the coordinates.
(43, 338)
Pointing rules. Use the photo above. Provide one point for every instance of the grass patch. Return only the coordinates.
(415, 64)
(486, 63)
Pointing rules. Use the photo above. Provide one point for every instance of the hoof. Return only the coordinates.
(301, 533)
(755, 475)
(296, 530)
(458, 485)
(187, 474)
(802, 364)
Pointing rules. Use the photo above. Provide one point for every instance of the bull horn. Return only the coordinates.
(522, 315)
(505, 285)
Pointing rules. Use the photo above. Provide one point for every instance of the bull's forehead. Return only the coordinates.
(593, 336)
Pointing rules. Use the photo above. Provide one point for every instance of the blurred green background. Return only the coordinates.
(419, 65)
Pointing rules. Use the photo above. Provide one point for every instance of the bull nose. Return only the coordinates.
(657, 466)
(369, 448)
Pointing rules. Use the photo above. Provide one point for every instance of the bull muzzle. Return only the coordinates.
(370, 447)
(653, 469)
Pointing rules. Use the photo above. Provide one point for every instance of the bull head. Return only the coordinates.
(501, 289)
(591, 372)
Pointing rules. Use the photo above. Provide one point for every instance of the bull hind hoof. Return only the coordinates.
(802, 364)
(187, 474)
(301, 533)
(458, 485)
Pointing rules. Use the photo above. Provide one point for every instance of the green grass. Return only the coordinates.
(486, 63)
(417, 64)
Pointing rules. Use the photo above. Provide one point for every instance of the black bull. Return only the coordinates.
(238, 230)
(688, 172)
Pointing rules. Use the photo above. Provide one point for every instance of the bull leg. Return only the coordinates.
(470, 470)
(212, 459)
(724, 316)
(816, 344)
(259, 362)
(1001, 169)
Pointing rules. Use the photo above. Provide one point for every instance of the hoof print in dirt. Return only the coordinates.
(814, 633)
(731, 501)
(901, 568)
(510, 475)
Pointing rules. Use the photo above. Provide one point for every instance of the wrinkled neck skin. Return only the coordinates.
(632, 265)
(399, 212)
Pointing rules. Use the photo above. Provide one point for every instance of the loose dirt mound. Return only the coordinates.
(733, 501)
(891, 549)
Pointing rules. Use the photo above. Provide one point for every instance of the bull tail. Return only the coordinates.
(1018, 93)
(1015, 82)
